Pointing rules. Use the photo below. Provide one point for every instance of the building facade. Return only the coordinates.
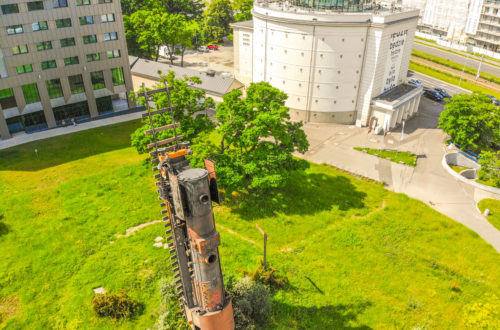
(60, 60)
(488, 29)
(333, 62)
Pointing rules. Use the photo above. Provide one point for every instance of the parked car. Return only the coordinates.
(414, 82)
(203, 49)
(442, 92)
(433, 95)
(493, 99)
(213, 47)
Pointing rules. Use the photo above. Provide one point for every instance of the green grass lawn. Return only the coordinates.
(458, 169)
(494, 206)
(450, 78)
(393, 155)
(356, 254)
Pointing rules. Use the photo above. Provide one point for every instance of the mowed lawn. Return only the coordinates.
(356, 255)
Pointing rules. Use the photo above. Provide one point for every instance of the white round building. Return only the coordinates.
(338, 61)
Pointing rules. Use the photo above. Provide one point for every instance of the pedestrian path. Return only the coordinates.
(22, 138)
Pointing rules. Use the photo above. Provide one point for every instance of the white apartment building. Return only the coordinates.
(337, 61)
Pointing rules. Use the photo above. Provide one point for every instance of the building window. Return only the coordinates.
(7, 99)
(54, 88)
(76, 84)
(63, 22)
(44, 45)
(39, 26)
(10, 9)
(82, 2)
(22, 49)
(51, 64)
(117, 75)
(60, 3)
(66, 42)
(97, 80)
(110, 36)
(105, 1)
(107, 18)
(113, 53)
(85, 20)
(71, 60)
(24, 68)
(31, 94)
(90, 39)
(35, 5)
(15, 29)
(93, 57)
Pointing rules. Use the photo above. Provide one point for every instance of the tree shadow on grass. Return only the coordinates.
(342, 316)
(305, 193)
(66, 148)
(4, 229)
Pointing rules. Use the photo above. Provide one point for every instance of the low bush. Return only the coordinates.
(115, 305)
(268, 276)
(489, 173)
(251, 304)
(170, 316)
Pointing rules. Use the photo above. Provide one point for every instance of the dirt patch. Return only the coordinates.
(9, 308)
(136, 228)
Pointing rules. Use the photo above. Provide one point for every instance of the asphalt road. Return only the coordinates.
(470, 62)
(430, 82)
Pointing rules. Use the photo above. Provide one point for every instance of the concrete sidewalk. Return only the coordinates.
(21, 138)
(428, 181)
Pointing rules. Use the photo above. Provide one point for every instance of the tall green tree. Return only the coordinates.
(490, 167)
(191, 105)
(242, 10)
(217, 17)
(257, 140)
(471, 121)
(192, 9)
(142, 28)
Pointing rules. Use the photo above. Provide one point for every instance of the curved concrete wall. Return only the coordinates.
(454, 158)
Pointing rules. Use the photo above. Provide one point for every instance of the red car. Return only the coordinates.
(213, 47)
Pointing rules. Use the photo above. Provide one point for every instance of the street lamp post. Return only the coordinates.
(480, 63)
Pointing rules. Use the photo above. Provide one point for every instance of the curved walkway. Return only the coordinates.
(428, 181)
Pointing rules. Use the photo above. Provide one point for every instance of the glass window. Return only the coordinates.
(54, 88)
(24, 68)
(82, 2)
(7, 99)
(71, 60)
(42, 25)
(35, 5)
(105, 1)
(30, 92)
(90, 39)
(113, 53)
(107, 18)
(63, 22)
(85, 20)
(117, 75)
(97, 80)
(22, 49)
(44, 45)
(10, 9)
(110, 36)
(93, 57)
(67, 42)
(51, 64)
(76, 84)
(15, 29)
(60, 3)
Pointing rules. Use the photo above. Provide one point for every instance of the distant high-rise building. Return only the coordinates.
(476, 22)
(60, 60)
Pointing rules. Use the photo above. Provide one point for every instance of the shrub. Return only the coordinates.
(269, 276)
(170, 317)
(490, 167)
(115, 305)
(251, 304)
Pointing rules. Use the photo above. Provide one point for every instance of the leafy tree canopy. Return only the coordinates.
(217, 17)
(257, 140)
(190, 102)
(472, 121)
(490, 167)
(190, 8)
(242, 10)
